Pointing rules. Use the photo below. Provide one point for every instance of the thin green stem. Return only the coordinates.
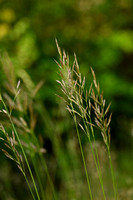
(23, 172)
(96, 159)
(49, 178)
(82, 153)
(112, 173)
(28, 185)
(22, 149)
(26, 160)
(46, 169)
(38, 177)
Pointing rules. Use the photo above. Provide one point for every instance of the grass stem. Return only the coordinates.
(82, 154)
(96, 159)
(22, 149)
(112, 173)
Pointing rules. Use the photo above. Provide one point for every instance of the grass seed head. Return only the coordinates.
(81, 101)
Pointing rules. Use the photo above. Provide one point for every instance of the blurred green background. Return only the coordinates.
(100, 32)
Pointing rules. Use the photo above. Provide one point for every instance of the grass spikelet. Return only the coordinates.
(80, 103)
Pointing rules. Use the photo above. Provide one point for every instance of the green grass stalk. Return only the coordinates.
(38, 177)
(48, 175)
(29, 186)
(96, 158)
(82, 154)
(45, 168)
(112, 174)
(22, 149)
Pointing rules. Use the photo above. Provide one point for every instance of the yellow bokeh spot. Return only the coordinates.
(7, 15)
(4, 28)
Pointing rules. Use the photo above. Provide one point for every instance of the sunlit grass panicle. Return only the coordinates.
(81, 102)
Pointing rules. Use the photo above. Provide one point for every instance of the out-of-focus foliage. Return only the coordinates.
(100, 32)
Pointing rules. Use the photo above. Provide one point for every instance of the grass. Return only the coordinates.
(20, 149)
(90, 113)
(80, 103)
(10, 144)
